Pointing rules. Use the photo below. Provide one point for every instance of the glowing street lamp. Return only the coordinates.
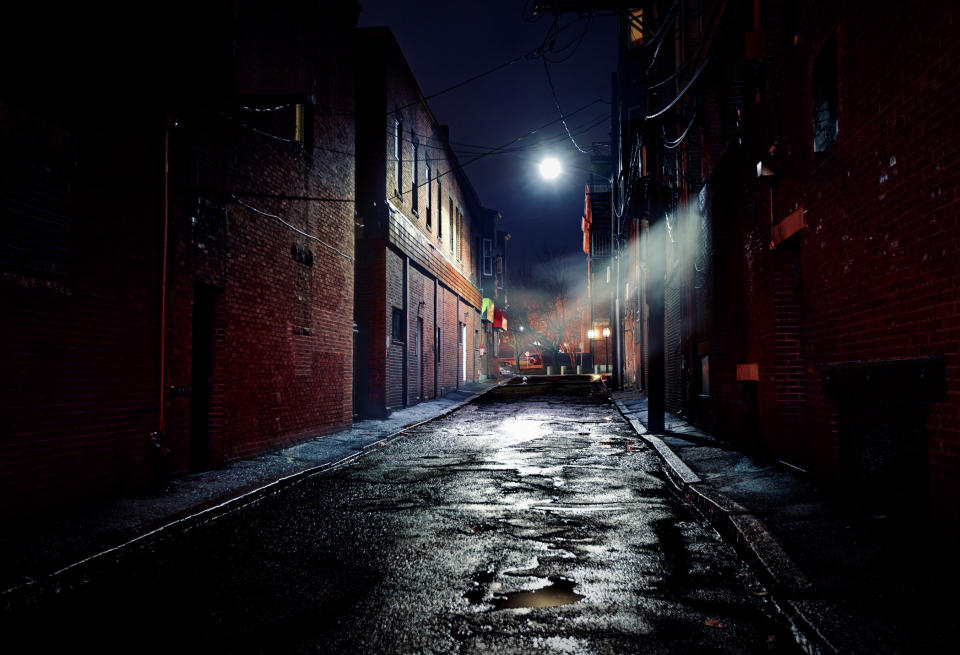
(606, 346)
(591, 335)
(550, 168)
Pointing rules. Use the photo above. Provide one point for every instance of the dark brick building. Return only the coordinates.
(176, 241)
(419, 251)
(597, 227)
(795, 211)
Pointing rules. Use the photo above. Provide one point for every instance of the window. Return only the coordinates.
(705, 375)
(439, 210)
(636, 27)
(458, 235)
(487, 257)
(450, 214)
(398, 152)
(415, 182)
(429, 194)
(825, 127)
(300, 124)
(396, 332)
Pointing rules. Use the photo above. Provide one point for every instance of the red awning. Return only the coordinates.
(499, 319)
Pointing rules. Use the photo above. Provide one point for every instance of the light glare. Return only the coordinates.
(550, 168)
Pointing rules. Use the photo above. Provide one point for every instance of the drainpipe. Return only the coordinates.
(168, 123)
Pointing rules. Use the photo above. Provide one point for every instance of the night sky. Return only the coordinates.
(448, 42)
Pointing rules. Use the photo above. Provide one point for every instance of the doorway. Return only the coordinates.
(420, 395)
(436, 364)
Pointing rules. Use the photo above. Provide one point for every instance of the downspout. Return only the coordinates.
(158, 438)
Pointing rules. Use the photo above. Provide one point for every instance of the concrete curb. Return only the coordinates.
(77, 573)
(754, 541)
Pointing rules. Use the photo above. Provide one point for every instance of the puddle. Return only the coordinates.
(480, 579)
(560, 592)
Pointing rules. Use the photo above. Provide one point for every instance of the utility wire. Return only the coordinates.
(556, 101)
(676, 142)
(683, 92)
(547, 44)
(292, 227)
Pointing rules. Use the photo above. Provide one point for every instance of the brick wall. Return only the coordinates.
(872, 275)
(268, 308)
(79, 353)
(411, 237)
(395, 300)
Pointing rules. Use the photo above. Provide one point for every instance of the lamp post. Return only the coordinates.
(591, 335)
(606, 347)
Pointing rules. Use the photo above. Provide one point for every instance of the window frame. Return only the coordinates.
(398, 153)
(397, 330)
(415, 178)
(429, 208)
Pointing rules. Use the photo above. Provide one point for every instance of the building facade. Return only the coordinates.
(177, 277)
(420, 237)
(790, 210)
(596, 224)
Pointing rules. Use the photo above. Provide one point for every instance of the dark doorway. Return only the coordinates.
(356, 372)
(201, 370)
(436, 365)
(420, 395)
(883, 407)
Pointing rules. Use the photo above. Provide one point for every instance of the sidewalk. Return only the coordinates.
(851, 580)
(40, 552)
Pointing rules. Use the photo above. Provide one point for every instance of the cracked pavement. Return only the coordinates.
(516, 524)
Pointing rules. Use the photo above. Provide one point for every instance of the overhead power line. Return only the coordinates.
(556, 102)
(547, 45)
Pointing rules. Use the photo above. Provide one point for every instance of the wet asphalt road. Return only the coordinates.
(533, 525)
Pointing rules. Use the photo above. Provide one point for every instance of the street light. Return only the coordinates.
(550, 168)
(591, 335)
(606, 347)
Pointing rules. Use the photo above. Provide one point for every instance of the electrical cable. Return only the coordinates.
(682, 93)
(292, 227)
(676, 142)
(547, 44)
(576, 43)
(546, 69)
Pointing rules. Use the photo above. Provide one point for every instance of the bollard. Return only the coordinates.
(549, 370)
(579, 369)
(563, 370)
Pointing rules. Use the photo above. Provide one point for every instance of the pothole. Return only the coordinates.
(559, 592)
(478, 589)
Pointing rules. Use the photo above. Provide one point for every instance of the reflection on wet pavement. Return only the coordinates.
(560, 592)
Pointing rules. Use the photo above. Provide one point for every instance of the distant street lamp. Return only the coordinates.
(606, 347)
(591, 335)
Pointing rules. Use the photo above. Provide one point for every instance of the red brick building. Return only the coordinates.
(176, 243)
(597, 227)
(796, 208)
(418, 302)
